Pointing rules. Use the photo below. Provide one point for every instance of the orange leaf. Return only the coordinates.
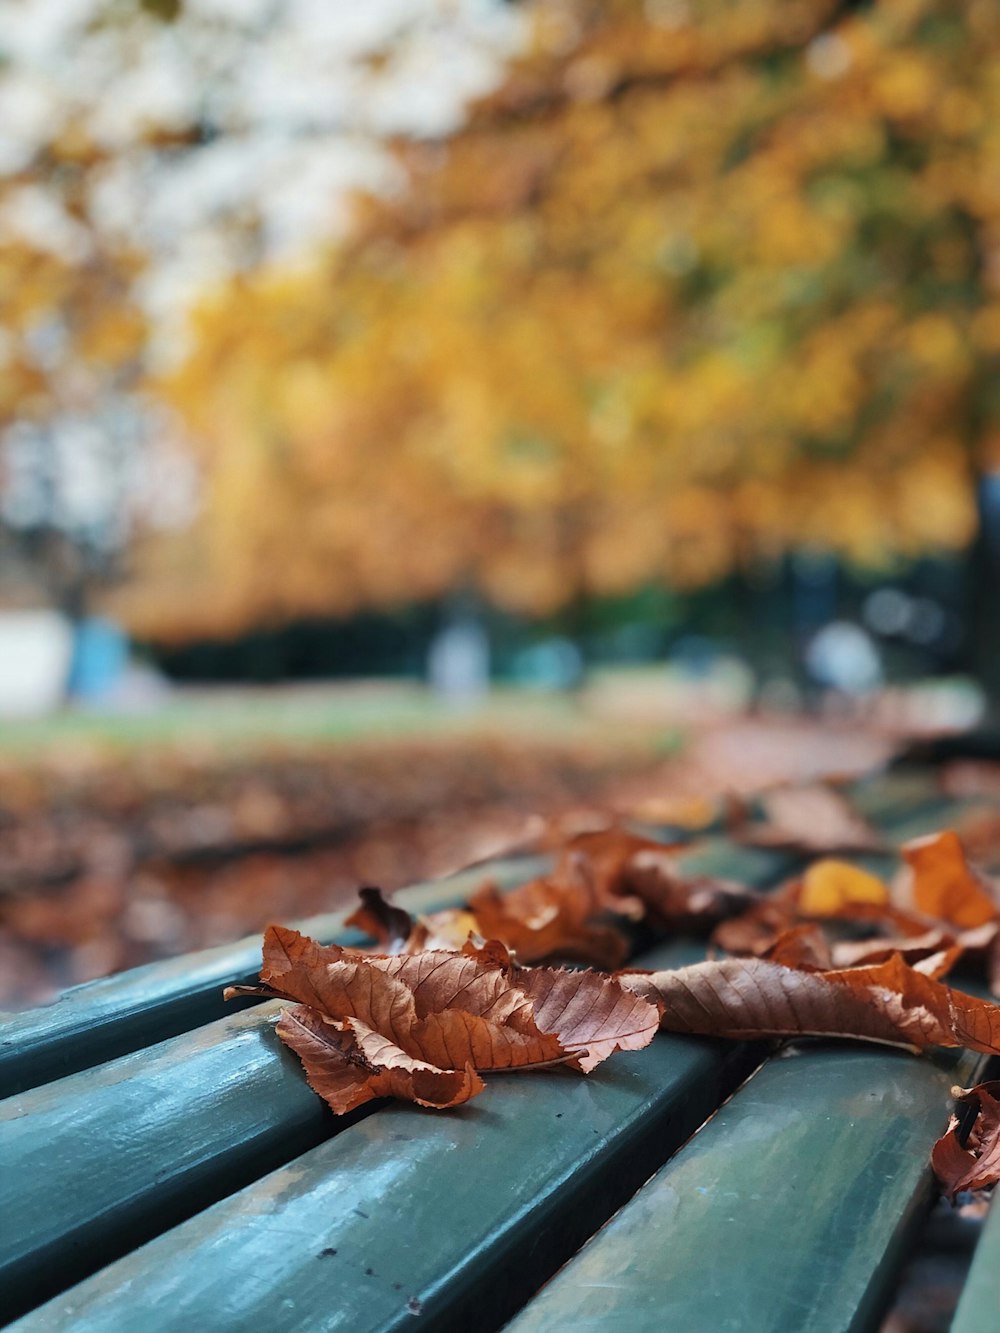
(829, 887)
(546, 918)
(890, 1003)
(975, 1164)
(944, 885)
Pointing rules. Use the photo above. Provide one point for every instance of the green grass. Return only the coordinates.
(296, 717)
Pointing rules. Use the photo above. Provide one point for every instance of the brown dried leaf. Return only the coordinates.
(803, 946)
(593, 1016)
(391, 926)
(917, 950)
(944, 885)
(809, 819)
(548, 918)
(757, 930)
(975, 1164)
(890, 1003)
(604, 858)
(344, 1082)
(675, 900)
(421, 1026)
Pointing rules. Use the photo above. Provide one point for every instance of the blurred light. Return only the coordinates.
(926, 622)
(843, 657)
(828, 56)
(887, 611)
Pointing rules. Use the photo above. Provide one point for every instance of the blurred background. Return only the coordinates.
(420, 414)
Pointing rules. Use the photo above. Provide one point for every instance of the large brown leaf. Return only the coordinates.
(423, 1026)
(593, 1016)
(974, 1164)
(891, 1003)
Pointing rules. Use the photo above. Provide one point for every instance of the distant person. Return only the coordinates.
(843, 657)
(458, 663)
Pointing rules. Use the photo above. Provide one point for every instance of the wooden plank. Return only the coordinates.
(114, 1015)
(790, 1210)
(107, 1018)
(806, 1191)
(94, 1164)
(415, 1220)
(979, 1308)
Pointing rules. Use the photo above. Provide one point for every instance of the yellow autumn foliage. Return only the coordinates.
(699, 285)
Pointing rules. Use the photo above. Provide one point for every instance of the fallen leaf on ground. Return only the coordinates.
(604, 856)
(891, 1003)
(389, 925)
(944, 885)
(675, 900)
(803, 946)
(548, 918)
(423, 1027)
(810, 819)
(829, 887)
(975, 1163)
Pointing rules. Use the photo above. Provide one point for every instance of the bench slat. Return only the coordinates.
(410, 1219)
(104, 1019)
(979, 1308)
(790, 1210)
(133, 1146)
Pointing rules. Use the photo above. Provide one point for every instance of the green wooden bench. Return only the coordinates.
(164, 1166)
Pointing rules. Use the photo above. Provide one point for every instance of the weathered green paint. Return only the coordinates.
(98, 1162)
(789, 1211)
(110, 1017)
(104, 1019)
(412, 1219)
(979, 1309)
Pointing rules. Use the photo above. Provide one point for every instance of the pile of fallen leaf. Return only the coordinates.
(121, 860)
(835, 952)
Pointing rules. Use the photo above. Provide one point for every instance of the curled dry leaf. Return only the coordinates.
(422, 1027)
(943, 885)
(397, 932)
(810, 819)
(640, 878)
(935, 952)
(672, 899)
(548, 918)
(891, 1003)
(974, 1163)
(604, 857)
(384, 922)
(803, 946)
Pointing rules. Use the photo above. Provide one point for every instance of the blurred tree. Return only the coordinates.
(148, 147)
(698, 285)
